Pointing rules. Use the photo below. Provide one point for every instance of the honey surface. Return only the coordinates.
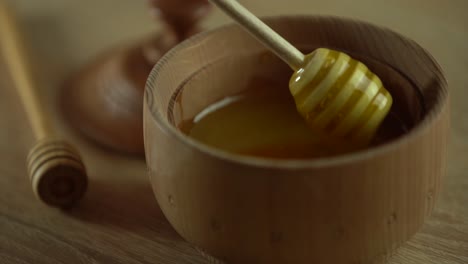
(263, 121)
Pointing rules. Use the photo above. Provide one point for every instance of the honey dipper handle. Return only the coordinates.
(57, 174)
(281, 47)
(15, 56)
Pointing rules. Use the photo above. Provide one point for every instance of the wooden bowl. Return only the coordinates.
(353, 208)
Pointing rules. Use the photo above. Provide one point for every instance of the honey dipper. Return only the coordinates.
(334, 93)
(55, 168)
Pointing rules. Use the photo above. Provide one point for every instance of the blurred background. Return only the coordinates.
(68, 32)
(65, 34)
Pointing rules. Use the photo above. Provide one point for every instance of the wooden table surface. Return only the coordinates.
(119, 220)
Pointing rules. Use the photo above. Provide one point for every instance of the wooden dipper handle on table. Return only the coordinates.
(55, 168)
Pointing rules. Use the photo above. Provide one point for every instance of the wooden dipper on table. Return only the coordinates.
(55, 168)
(334, 93)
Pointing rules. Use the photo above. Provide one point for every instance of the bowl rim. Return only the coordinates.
(427, 120)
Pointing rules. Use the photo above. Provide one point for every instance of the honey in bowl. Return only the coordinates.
(262, 120)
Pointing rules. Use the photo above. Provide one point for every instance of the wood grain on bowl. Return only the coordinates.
(355, 208)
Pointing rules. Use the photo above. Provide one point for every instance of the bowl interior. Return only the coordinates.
(223, 62)
(233, 74)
